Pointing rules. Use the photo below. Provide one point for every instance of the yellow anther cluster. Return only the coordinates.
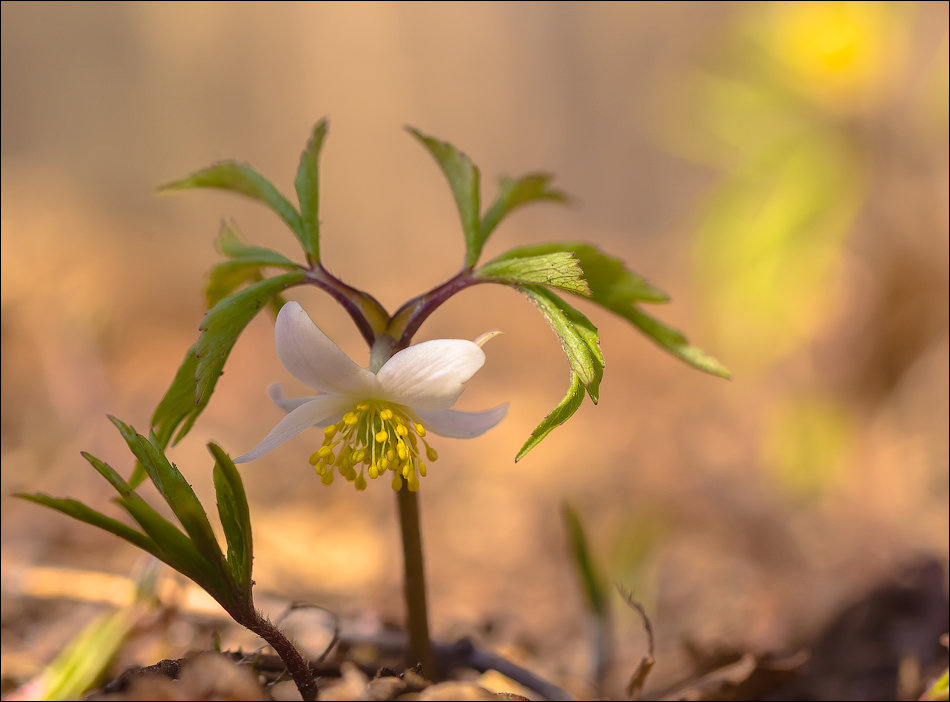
(377, 437)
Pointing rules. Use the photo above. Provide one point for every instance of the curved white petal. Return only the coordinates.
(316, 410)
(461, 425)
(312, 358)
(278, 396)
(429, 376)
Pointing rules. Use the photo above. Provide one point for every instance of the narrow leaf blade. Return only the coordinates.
(243, 179)
(463, 177)
(235, 517)
(308, 192)
(517, 192)
(560, 414)
(676, 343)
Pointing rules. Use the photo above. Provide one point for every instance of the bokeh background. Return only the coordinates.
(779, 169)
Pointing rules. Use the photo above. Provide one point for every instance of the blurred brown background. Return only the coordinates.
(781, 172)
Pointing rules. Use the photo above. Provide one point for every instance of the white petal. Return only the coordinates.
(278, 396)
(304, 417)
(429, 375)
(313, 359)
(461, 425)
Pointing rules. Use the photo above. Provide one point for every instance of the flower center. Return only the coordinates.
(379, 437)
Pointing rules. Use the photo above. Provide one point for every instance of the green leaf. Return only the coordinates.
(177, 550)
(243, 179)
(557, 270)
(245, 266)
(463, 178)
(560, 414)
(307, 185)
(591, 580)
(619, 290)
(673, 341)
(516, 192)
(235, 517)
(177, 493)
(223, 324)
(577, 335)
(612, 285)
(178, 405)
(77, 510)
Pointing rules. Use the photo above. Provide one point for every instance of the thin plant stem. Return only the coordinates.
(298, 668)
(420, 648)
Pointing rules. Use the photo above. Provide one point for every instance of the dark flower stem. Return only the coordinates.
(420, 647)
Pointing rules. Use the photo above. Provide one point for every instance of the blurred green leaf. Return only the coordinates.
(243, 179)
(307, 185)
(560, 414)
(516, 192)
(463, 178)
(235, 517)
(224, 322)
(595, 590)
(557, 270)
(940, 690)
(577, 335)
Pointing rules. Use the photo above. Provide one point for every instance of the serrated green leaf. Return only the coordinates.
(619, 290)
(223, 324)
(307, 185)
(516, 192)
(577, 335)
(243, 179)
(557, 270)
(673, 341)
(77, 510)
(235, 517)
(177, 493)
(463, 178)
(612, 284)
(560, 414)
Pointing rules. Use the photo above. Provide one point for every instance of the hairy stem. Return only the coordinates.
(298, 668)
(420, 648)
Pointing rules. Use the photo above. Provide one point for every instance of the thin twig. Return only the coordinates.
(639, 677)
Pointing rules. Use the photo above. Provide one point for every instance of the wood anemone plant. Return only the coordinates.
(375, 420)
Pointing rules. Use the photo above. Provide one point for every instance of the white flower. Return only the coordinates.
(376, 421)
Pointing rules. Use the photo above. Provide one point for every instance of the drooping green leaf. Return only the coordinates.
(235, 517)
(673, 341)
(557, 270)
(177, 493)
(612, 284)
(620, 290)
(223, 324)
(307, 185)
(232, 245)
(560, 414)
(243, 179)
(463, 178)
(516, 192)
(577, 335)
(77, 510)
